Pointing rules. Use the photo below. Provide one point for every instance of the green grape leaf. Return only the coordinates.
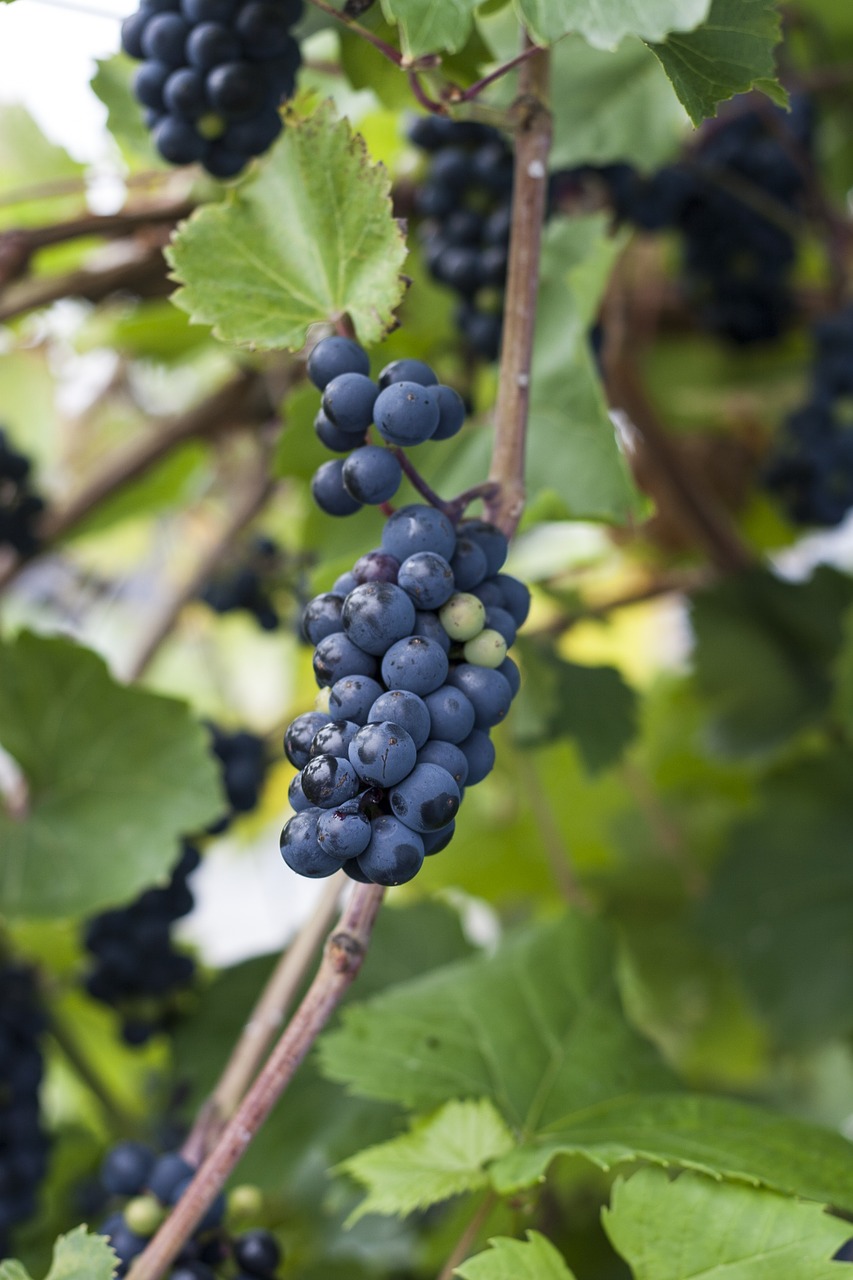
(307, 237)
(441, 1156)
(114, 777)
(76, 1256)
(692, 1227)
(538, 1029)
(81, 1256)
(621, 104)
(492, 1027)
(605, 23)
(431, 26)
(113, 84)
(572, 448)
(12, 1269)
(764, 653)
(558, 699)
(727, 54)
(532, 1259)
(781, 902)
(714, 1136)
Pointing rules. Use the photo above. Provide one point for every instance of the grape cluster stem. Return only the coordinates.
(241, 401)
(263, 1024)
(343, 956)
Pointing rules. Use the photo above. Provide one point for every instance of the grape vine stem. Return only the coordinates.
(343, 956)
(241, 400)
(530, 188)
(262, 1024)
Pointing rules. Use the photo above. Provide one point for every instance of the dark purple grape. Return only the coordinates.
(236, 89)
(406, 709)
(328, 781)
(427, 578)
(348, 401)
(149, 83)
(406, 413)
(164, 38)
(329, 491)
(178, 141)
(337, 656)
(184, 93)
(427, 799)
(300, 734)
(395, 853)
(372, 474)
(418, 528)
(333, 356)
(407, 371)
(416, 664)
(375, 616)
(382, 753)
(451, 413)
(210, 44)
(321, 616)
(375, 566)
(301, 849)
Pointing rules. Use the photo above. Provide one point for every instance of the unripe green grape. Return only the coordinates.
(143, 1214)
(463, 617)
(245, 1203)
(210, 126)
(488, 649)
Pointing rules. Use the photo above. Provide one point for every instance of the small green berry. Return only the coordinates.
(245, 1203)
(210, 126)
(488, 649)
(463, 617)
(143, 1215)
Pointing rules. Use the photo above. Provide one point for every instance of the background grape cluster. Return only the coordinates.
(246, 585)
(244, 760)
(465, 203)
(811, 471)
(137, 969)
(213, 75)
(144, 1186)
(23, 1141)
(411, 646)
(20, 505)
(736, 199)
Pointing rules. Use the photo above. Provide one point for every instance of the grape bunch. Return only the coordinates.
(412, 648)
(243, 757)
(246, 585)
(150, 1185)
(136, 969)
(735, 199)
(407, 406)
(20, 505)
(213, 75)
(811, 471)
(465, 203)
(23, 1142)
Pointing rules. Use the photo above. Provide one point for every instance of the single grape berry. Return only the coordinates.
(372, 474)
(406, 413)
(395, 853)
(382, 753)
(334, 356)
(257, 1252)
